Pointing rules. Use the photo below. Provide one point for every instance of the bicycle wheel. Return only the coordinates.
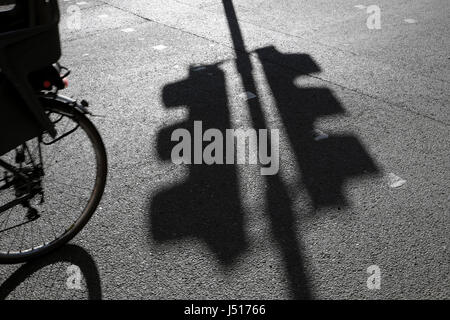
(65, 180)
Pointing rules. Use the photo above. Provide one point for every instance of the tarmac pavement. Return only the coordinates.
(380, 98)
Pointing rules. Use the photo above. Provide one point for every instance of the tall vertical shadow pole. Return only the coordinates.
(244, 64)
(279, 205)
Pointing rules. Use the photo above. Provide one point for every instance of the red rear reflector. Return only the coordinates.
(66, 82)
(47, 84)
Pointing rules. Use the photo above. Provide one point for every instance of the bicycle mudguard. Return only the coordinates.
(58, 100)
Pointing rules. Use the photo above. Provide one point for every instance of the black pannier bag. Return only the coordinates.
(29, 41)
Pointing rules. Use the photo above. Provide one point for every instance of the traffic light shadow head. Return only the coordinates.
(301, 63)
(325, 165)
(207, 204)
(204, 83)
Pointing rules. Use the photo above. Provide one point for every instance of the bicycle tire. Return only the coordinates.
(95, 197)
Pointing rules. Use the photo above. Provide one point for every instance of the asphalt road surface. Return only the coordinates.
(360, 210)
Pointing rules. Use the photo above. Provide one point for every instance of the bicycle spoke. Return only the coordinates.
(56, 151)
(67, 172)
(40, 233)
(23, 236)
(6, 223)
(15, 236)
(73, 196)
(71, 185)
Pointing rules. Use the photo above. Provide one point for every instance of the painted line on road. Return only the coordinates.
(159, 47)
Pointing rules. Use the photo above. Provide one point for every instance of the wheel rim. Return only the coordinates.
(69, 184)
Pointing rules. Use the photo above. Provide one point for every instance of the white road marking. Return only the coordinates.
(395, 181)
(81, 3)
(128, 30)
(410, 21)
(360, 6)
(102, 16)
(159, 47)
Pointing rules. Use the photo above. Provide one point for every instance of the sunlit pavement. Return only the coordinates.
(358, 211)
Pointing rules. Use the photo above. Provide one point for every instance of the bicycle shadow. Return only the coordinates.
(72, 254)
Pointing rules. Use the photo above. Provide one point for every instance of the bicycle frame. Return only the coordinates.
(10, 168)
